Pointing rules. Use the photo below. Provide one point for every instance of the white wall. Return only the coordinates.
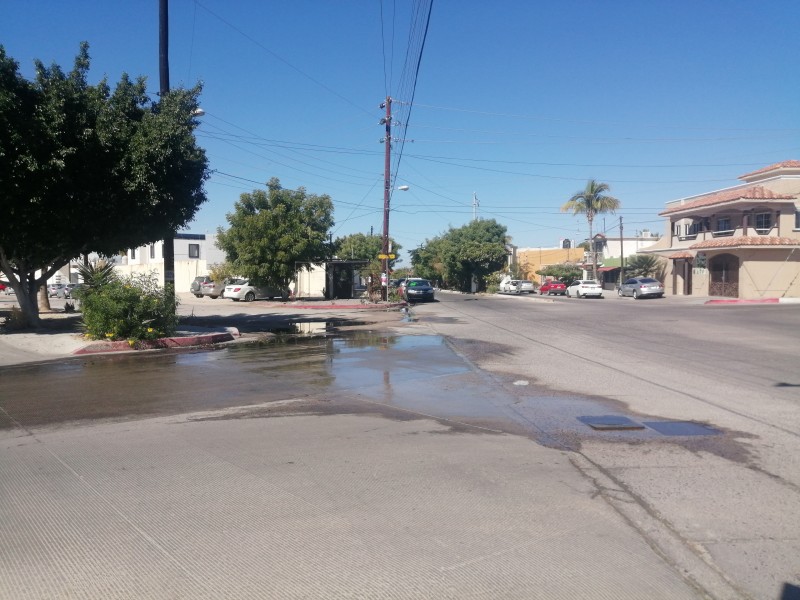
(310, 284)
(185, 272)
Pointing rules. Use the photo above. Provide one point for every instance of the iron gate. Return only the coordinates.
(724, 270)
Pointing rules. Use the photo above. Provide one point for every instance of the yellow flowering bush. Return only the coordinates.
(133, 309)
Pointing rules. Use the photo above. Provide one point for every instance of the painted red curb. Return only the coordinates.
(736, 301)
(173, 342)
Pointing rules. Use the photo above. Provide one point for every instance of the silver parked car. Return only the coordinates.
(52, 289)
(641, 287)
(584, 288)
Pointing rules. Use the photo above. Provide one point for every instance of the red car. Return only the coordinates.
(553, 287)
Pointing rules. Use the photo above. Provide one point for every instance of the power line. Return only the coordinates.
(590, 122)
(280, 58)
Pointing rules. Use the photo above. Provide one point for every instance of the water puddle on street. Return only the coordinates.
(310, 370)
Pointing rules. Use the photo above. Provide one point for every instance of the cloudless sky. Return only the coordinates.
(516, 102)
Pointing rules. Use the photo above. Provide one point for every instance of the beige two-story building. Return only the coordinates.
(738, 242)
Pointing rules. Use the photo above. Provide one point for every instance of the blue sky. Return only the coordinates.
(516, 102)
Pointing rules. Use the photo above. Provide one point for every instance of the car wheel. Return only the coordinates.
(214, 297)
(198, 295)
(249, 297)
(619, 292)
(567, 294)
(636, 294)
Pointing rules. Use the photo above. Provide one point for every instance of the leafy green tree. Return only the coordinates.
(274, 232)
(474, 250)
(359, 246)
(592, 201)
(645, 265)
(566, 272)
(84, 169)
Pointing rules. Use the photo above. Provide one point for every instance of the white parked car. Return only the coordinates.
(240, 289)
(516, 286)
(581, 288)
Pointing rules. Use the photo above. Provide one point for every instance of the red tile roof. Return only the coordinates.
(747, 240)
(683, 254)
(792, 164)
(755, 192)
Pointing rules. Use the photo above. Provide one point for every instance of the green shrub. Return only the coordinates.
(133, 308)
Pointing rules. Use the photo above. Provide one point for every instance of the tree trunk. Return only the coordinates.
(43, 299)
(25, 286)
(29, 306)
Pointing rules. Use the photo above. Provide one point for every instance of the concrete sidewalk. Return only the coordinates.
(61, 336)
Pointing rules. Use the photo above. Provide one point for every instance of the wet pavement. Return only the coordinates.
(407, 376)
(426, 477)
(367, 465)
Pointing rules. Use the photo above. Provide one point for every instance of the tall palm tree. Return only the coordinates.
(592, 201)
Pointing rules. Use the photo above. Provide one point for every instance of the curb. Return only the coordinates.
(160, 344)
(738, 301)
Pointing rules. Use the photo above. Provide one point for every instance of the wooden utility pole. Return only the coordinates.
(163, 70)
(387, 188)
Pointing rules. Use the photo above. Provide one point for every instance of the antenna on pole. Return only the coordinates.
(475, 205)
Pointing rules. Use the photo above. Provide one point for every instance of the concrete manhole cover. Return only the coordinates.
(610, 423)
(681, 428)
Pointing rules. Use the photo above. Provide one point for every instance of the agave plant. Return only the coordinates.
(96, 275)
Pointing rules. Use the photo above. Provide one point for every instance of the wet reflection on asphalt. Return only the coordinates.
(414, 376)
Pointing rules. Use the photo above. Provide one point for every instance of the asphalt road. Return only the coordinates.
(438, 455)
(730, 498)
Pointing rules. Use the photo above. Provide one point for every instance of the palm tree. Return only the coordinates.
(592, 201)
(645, 265)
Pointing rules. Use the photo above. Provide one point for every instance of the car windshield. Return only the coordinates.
(648, 280)
(418, 283)
(238, 281)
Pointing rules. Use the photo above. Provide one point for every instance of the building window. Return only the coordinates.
(194, 250)
(797, 219)
(724, 224)
(763, 222)
(133, 253)
(690, 230)
(152, 250)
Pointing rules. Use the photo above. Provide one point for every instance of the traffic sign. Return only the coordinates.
(384, 256)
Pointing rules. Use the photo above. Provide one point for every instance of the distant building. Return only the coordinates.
(195, 253)
(609, 250)
(738, 242)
